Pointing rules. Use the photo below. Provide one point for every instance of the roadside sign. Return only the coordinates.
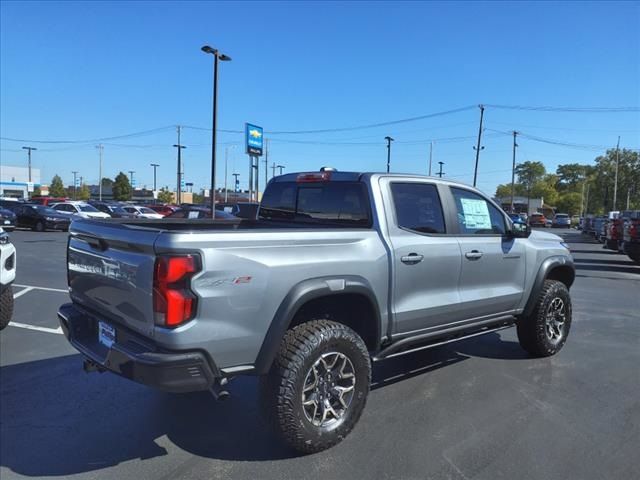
(30, 187)
(254, 139)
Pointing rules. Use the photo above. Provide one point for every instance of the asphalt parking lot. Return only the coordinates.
(478, 409)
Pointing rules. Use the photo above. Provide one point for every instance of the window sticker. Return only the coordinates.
(193, 214)
(476, 214)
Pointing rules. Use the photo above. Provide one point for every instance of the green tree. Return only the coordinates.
(56, 189)
(569, 203)
(84, 193)
(546, 188)
(165, 196)
(504, 190)
(107, 182)
(198, 198)
(36, 192)
(121, 187)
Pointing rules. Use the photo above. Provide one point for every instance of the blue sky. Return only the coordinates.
(82, 71)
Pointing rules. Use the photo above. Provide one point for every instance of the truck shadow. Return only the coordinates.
(58, 421)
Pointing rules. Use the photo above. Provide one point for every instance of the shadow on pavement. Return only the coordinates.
(609, 268)
(611, 261)
(58, 421)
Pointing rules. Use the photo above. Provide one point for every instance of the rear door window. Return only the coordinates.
(418, 207)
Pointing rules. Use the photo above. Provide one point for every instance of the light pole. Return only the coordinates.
(155, 166)
(615, 182)
(100, 148)
(236, 183)
(29, 149)
(389, 140)
(74, 185)
(179, 186)
(226, 161)
(440, 173)
(224, 58)
(131, 172)
(513, 172)
(281, 167)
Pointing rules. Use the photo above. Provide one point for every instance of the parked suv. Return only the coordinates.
(40, 218)
(79, 209)
(537, 220)
(7, 276)
(339, 270)
(631, 236)
(561, 220)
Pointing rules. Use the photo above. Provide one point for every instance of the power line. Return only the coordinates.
(567, 109)
(94, 140)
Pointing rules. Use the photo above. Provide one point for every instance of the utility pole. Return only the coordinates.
(100, 148)
(389, 140)
(440, 173)
(628, 196)
(273, 170)
(586, 201)
(29, 150)
(615, 182)
(430, 156)
(513, 172)
(75, 185)
(478, 148)
(281, 167)
(179, 146)
(235, 186)
(226, 161)
(131, 172)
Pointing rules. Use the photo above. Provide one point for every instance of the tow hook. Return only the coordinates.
(218, 389)
(88, 366)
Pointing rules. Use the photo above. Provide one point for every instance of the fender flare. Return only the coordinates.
(298, 296)
(548, 265)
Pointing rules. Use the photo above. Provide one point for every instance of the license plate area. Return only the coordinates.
(106, 334)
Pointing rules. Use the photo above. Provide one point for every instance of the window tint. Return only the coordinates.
(418, 207)
(337, 202)
(476, 215)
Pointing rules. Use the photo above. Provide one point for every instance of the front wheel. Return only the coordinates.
(318, 385)
(39, 226)
(6, 307)
(545, 331)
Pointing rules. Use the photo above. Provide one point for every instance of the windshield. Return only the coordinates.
(87, 208)
(116, 209)
(145, 210)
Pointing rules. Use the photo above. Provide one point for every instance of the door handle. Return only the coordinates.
(473, 255)
(412, 258)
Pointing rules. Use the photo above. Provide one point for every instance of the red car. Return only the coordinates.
(163, 210)
(537, 220)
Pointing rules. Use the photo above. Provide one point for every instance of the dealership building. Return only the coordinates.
(14, 181)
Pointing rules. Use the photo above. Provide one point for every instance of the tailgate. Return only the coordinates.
(110, 271)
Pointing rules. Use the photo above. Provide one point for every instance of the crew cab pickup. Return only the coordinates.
(338, 271)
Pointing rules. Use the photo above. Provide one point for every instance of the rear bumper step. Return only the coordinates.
(133, 357)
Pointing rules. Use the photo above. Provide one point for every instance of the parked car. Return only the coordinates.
(516, 218)
(112, 209)
(47, 201)
(7, 276)
(537, 220)
(163, 210)
(561, 220)
(10, 203)
(631, 236)
(340, 270)
(79, 209)
(7, 219)
(614, 229)
(195, 212)
(41, 218)
(248, 210)
(140, 211)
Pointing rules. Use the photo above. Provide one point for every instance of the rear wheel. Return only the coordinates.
(6, 307)
(39, 226)
(318, 385)
(545, 331)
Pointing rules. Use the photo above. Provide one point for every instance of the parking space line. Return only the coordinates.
(22, 292)
(34, 327)
(48, 289)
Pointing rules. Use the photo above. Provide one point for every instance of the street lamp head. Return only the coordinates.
(208, 49)
(180, 146)
(224, 58)
(29, 148)
(388, 139)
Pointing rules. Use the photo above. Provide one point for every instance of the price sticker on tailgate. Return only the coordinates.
(106, 334)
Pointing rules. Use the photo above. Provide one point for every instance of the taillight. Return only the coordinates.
(173, 301)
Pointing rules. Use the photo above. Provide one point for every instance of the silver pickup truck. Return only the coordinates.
(338, 271)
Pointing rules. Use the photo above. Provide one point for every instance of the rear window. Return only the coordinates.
(339, 203)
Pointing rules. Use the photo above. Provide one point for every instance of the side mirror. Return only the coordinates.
(520, 230)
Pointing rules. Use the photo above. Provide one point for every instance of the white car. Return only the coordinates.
(79, 209)
(143, 212)
(7, 276)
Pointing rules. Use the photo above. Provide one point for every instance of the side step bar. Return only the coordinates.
(442, 337)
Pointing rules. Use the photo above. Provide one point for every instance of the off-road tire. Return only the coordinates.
(6, 307)
(282, 388)
(39, 226)
(532, 330)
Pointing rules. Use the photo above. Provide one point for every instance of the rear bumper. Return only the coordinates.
(135, 357)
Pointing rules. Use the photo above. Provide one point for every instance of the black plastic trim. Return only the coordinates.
(299, 295)
(543, 273)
